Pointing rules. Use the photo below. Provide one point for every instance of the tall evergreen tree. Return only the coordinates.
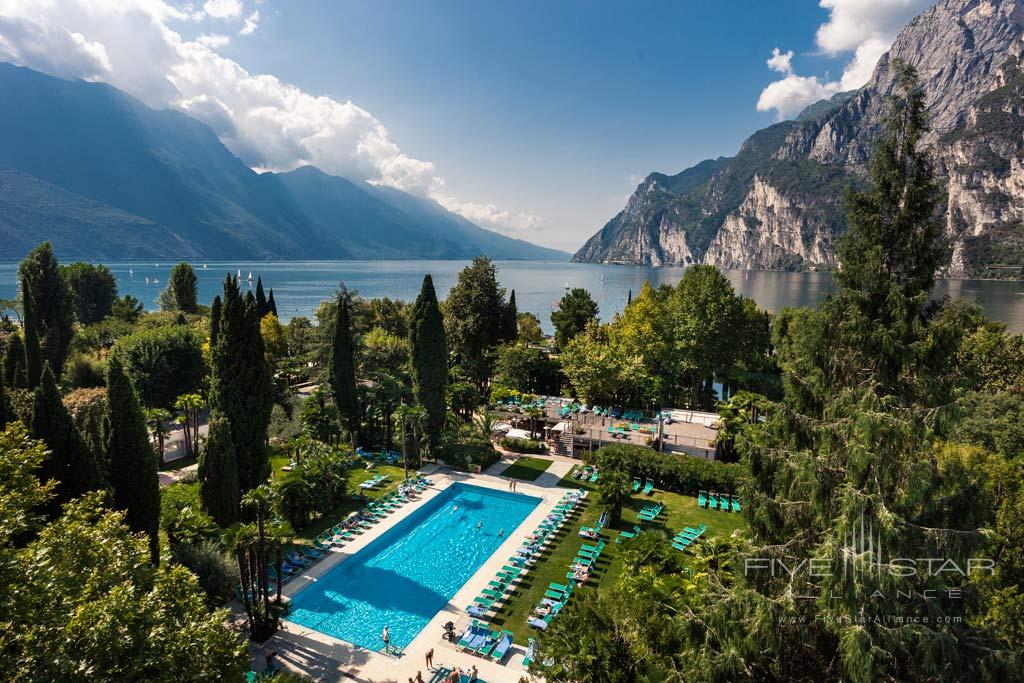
(429, 349)
(850, 455)
(93, 290)
(52, 308)
(182, 293)
(271, 304)
(70, 462)
(218, 475)
(215, 313)
(33, 351)
(133, 463)
(341, 367)
(262, 307)
(475, 309)
(241, 389)
(510, 319)
(6, 415)
(575, 311)
(13, 371)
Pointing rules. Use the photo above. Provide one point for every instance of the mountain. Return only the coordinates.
(103, 176)
(777, 204)
(382, 222)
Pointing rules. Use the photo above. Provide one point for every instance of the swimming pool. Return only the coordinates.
(402, 579)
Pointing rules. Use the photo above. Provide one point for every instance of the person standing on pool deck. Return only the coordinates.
(386, 637)
(430, 659)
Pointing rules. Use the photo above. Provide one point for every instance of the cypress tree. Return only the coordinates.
(241, 390)
(429, 349)
(214, 321)
(341, 367)
(5, 407)
(262, 307)
(133, 463)
(13, 370)
(33, 352)
(70, 463)
(271, 304)
(52, 306)
(218, 475)
(510, 319)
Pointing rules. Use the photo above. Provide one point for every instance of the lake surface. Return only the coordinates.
(300, 286)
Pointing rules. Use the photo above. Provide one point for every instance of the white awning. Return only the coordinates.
(560, 427)
(519, 434)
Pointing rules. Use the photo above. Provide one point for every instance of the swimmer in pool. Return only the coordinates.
(479, 524)
(501, 533)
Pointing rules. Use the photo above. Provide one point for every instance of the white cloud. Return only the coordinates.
(252, 22)
(781, 61)
(864, 27)
(214, 40)
(269, 124)
(223, 9)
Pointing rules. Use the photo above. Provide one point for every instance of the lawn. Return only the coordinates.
(356, 477)
(680, 511)
(527, 469)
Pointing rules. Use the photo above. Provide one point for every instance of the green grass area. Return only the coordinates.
(680, 511)
(527, 469)
(356, 477)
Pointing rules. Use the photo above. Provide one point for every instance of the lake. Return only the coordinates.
(300, 286)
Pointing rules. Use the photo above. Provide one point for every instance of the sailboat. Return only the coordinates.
(131, 272)
(250, 276)
(238, 275)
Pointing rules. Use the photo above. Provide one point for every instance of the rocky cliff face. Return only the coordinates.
(778, 202)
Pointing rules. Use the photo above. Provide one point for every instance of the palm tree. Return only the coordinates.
(156, 419)
(189, 405)
(534, 414)
(409, 418)
(240, 539)
(279, 534)
(613, 492)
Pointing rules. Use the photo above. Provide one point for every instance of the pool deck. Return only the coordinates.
(324, 658)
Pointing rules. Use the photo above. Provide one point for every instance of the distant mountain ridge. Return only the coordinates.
(103, 176)
(777, 204)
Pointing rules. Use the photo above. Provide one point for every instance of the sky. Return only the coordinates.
(536, 119)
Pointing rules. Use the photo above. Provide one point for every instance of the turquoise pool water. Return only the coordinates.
(406, 576)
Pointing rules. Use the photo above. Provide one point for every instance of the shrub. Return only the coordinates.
(466, 454)
(679, 473)
(216, 571)
(163, 363)
(522, 445)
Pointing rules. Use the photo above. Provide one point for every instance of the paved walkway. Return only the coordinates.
(327, 659)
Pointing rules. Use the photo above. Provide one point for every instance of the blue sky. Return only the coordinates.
(534, 118)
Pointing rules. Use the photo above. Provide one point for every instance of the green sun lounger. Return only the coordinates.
(471, 632)
(502, 647)
(702, 499)
(735, 504)
(648, 487)
(636, 485)
(488, 644)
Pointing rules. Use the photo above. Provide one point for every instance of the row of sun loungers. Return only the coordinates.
(519, 565)
(586, 473)
(718, 501)
(593, 532)
(648, 486)
(557, 595)
(389, 457)
(685, 538)
(479, 640)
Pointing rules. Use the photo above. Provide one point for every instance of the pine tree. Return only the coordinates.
(52, 306)
(70, 463)
(133, 463)
(510, 319)
(429, 349)
(13, 371)
(215, 312)
(475, 308)
(341, 367)
(262, 307)
(241, 390)
(33, 352)
(271, 304)
(218, 475)
(850, 454)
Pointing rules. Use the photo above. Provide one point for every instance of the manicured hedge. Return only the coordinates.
(522, 445)
(680, 473)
